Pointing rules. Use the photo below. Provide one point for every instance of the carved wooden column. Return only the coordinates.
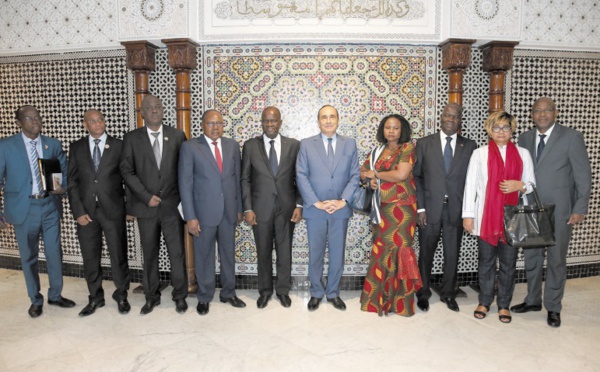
(456, 57)
(497, 60)
(140, 59)
(182, 59)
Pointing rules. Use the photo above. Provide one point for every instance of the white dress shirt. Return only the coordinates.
(277, 145)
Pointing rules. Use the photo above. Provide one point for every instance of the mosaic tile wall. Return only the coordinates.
(571, 80)
(365, 83)
(62, 87)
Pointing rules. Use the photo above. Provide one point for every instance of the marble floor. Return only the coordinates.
(279, 339)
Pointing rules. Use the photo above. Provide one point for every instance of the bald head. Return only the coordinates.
(93, 121)
(271, 121)
(543, 114)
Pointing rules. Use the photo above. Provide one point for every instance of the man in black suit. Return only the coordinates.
(272, 204)
(209, 183)
(443, 155)
(149, 168)
(97, 200)
(564, 178)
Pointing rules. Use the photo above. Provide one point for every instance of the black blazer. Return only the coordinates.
(260, 188)
(85, 184)
(433, 183)
(142, 176)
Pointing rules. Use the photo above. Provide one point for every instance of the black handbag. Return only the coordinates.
(362, 198)
(529, 226)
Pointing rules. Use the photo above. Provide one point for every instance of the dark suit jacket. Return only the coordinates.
(142, 176)
(15, 175)
(85, 184)
(260, 188)
(207, 194)
(433, 183)
(563, 172)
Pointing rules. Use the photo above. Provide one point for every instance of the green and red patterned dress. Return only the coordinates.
(393, 276)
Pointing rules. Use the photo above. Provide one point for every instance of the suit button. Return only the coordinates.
(95, 181)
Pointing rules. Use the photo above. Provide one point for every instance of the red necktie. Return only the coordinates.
(218, 157)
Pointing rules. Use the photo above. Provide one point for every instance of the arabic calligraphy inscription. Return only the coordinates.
(319, 9)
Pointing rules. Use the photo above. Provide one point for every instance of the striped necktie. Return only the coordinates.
(33, 158)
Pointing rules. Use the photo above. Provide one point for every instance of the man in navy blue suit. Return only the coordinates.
(32, 210)
(327, 174)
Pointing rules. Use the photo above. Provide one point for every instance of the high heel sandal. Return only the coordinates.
(504, 318)
(480, 314)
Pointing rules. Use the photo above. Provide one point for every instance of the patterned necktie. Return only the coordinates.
(273, 158)
(33, 158)
(448, 154)
(218, 157)
(96, 156)
(156, 148)
(330, 152)
(540, 148)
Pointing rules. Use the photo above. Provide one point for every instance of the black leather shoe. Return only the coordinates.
(423, 304)
(202, 308)
(181, 306)
(451, 303)
(35, 311)
(90, 308)
(149, 306)
(63, 302)
(313, 303)
(553, 319)
(285, 300)
(523, 308)
(234, 301)
(262, 301)
(337, 303)
(123, 306)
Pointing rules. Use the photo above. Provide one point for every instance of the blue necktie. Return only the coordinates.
(540, 148)
(448, 154)
(273, 158)
(330, 152)
(96, 156)
(33, 158)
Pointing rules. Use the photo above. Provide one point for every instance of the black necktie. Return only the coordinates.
(273, 158)
(330, 152)
(448, 154)
(96, 156)
(540, 148)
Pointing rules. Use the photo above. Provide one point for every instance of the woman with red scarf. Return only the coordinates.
(497, 173)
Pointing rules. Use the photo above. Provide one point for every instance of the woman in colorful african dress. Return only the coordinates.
(393, 276)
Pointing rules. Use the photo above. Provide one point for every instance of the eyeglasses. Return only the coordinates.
(212, 124)
(545, 111)
(31, 118)
(496, 129)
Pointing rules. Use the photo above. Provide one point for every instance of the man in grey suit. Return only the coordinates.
(563, 174)
(97, 200)
(149, 168)
(209, 184)
(443, 155)
(327, 173)
(272, 204)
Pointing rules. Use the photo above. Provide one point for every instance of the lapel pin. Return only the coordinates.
(166, 138)
(46, 147)
(106, 146)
